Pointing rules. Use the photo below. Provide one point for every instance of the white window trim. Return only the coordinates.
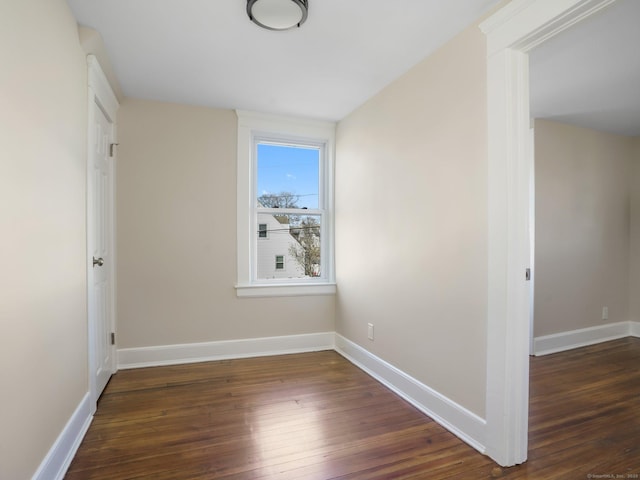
(250, 126)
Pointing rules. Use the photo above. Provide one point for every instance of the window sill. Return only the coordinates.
(285, 290)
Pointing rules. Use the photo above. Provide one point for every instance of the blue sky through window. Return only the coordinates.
(289, 169)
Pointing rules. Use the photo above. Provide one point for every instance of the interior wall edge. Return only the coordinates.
(463, 423)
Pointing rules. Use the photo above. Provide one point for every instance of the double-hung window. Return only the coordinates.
(285, 206)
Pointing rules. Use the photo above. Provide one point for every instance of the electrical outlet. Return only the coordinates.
(370, 331)
(605, 313)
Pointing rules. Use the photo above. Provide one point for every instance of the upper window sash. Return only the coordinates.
(297, 142)
(289, 211)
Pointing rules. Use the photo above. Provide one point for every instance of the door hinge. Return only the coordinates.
(527, 274)
(111, 148)
(113, 338)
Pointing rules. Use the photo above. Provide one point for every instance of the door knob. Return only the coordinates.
(98, 261)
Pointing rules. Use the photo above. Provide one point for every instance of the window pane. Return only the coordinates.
(295, 238)
(262, 230)
(288, 176)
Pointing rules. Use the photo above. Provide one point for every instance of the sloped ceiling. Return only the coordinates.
(208, 52)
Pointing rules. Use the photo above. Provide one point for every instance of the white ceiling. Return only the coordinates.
(208, 52)
(590, 74)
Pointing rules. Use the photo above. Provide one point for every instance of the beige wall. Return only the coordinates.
(43, 353)
(176, 235)
(411, 215)
(634, 264)
(582, 227)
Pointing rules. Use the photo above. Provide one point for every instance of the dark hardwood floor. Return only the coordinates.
(316, 416)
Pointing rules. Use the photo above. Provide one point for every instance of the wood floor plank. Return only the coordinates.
(316, 416)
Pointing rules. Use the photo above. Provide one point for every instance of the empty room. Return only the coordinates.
(318, 239)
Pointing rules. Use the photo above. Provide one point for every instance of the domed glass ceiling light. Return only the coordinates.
(277, 14)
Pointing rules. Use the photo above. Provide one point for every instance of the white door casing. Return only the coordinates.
(511, 33)
(100, 230)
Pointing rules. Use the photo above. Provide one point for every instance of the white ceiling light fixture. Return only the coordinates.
(277, 14)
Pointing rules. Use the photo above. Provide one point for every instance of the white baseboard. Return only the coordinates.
(55, 464)
(559, 342)
(458, 420)
(455, 418)
(222, 350)
(465, 424)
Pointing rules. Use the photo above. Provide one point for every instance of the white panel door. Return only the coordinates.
(100, 266)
